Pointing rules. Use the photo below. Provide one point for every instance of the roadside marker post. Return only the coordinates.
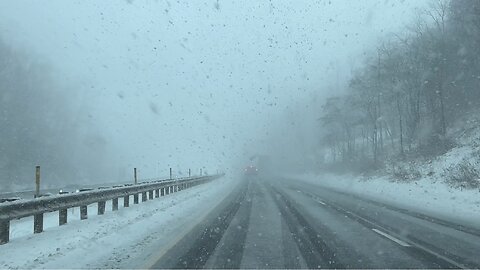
(38, 218)
(135, 175)
(37, 182)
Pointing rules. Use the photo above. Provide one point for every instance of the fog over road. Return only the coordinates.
(280, 223)
(113, 85)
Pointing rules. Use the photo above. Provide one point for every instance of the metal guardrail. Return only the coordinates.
(61, 203)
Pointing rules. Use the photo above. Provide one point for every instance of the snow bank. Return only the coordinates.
(424, 196)
(128, 238)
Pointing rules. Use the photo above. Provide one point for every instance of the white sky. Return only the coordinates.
(192, 83)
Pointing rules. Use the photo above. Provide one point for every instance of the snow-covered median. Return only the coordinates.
(128, 238)
(431, 198)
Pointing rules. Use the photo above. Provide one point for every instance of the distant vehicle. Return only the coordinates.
(262, 163)
(251, 170)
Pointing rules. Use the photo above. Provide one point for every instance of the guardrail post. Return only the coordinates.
(38, 223)
(150, 195)
(115, 204)
(101, 208)
(4, 231)
(126, 201)
(157, 193)
(62, 216)
(83, 212)
(144, 196)
(135, 198)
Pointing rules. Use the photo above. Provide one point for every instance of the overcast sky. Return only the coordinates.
(196, 83)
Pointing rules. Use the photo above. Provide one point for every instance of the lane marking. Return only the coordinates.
(151, 260)
(320, 202)
(396, 240)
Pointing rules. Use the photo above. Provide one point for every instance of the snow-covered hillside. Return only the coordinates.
(446, 186)
(459, 167)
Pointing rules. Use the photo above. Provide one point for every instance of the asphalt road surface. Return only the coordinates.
(277, 223)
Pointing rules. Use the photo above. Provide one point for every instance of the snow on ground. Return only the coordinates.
(425, 196)
(436, 186)
(129, 238)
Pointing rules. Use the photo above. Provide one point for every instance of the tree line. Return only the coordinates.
(404, 100)
(43, 122)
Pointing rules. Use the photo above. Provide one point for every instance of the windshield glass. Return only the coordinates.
(239, 134)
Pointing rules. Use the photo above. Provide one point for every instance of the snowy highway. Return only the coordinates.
(314, 134)
(279, 223)
(236, 222)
